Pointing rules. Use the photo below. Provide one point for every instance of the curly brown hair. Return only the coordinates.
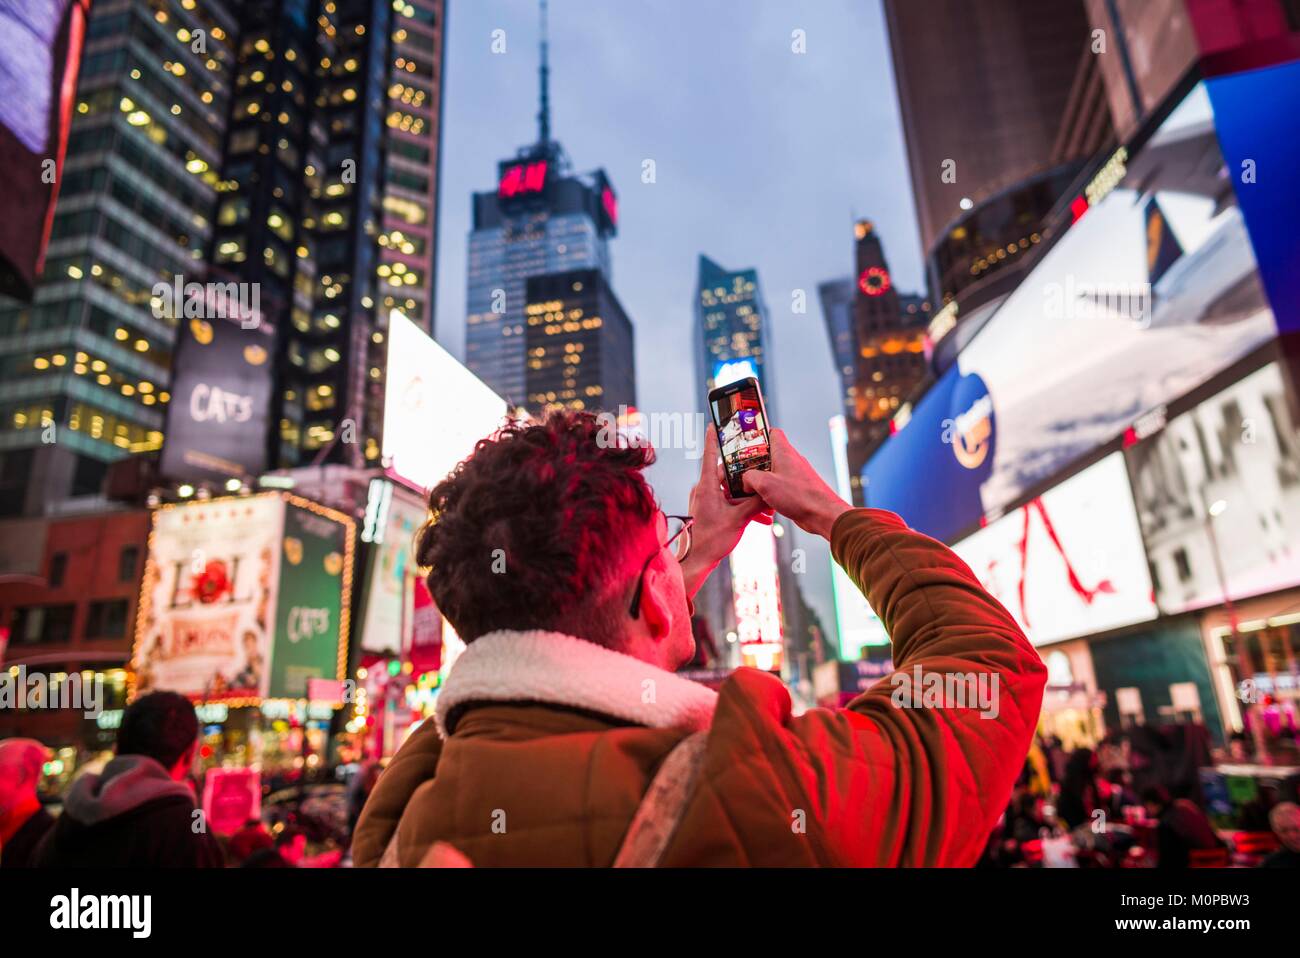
(534, 530)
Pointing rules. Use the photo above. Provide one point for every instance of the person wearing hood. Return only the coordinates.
(138, 812)
(561, 736)
(23, 821)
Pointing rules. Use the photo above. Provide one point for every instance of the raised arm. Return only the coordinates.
(922, 763)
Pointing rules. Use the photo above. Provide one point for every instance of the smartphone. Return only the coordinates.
(741, 421)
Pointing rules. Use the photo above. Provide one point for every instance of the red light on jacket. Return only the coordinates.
(1078, 207)
(1130, 437)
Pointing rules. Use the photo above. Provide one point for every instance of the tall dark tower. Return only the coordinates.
(541, 219)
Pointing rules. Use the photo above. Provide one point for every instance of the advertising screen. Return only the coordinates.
(40, 57)
(221, 396)
(1150, 293)
(435, 410)
(857, 623)
(756, 593)
(244, 598)
(1258, 117)
(1219, 489)
(390, 585)
(207, 608)
(313, 603)
(1070, 562)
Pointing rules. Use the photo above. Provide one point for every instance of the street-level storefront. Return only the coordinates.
(1156, 674)
(1072, 705)
(1253, 653)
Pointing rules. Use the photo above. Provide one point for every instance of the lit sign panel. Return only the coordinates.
(1218, 507)
(757, 597)
(1151, 294)
(435, 410)
(610, 204)
(244, 598)
(874, 281)
(521, 179)
(857, 623)
(733, 371)
(1071, 561)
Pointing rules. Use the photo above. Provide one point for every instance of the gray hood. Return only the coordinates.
(126, 783)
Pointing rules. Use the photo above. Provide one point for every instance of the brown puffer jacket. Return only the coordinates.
(553, 741)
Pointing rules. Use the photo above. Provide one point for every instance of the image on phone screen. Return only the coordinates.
(742, 433)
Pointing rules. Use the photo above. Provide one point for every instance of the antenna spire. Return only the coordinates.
(544, 113)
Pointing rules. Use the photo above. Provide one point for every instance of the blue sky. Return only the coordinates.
(763, 159)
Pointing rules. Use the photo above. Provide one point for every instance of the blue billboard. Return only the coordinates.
(930, 471)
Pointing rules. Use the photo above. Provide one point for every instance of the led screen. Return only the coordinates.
(1070, 562)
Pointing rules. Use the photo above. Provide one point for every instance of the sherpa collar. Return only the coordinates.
(558, 669)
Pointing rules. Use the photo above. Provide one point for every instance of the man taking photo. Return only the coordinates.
(557, 732)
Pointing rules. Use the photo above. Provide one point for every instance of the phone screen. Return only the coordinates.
(742, 432)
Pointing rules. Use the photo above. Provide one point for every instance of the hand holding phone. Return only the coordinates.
(740, 419)
(792, 487)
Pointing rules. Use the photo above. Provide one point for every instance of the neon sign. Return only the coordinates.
(610, 202)
(874, 281)
(522, 178)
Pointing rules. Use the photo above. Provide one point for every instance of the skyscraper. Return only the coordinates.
(878, 343)
(542, 218)
(756, 592)
(249, 145)
(87, 361)
(329, 203)
(579, 344)
(730, 328)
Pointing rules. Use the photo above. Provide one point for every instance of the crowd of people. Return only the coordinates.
(1121, 805)
(142, 809)
(1080, 807)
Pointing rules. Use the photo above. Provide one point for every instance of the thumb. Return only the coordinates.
(756, 480)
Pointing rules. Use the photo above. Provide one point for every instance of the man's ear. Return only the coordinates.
(656, 607)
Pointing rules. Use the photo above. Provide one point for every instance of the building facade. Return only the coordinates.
(86, 363)
(579, 344)
(541, 219)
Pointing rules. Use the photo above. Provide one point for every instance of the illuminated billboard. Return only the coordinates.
(856, 622)
(217, 419)
(1070, 562)
(756, 594)
(40, 57)
(244, 598)
(1150, 293)
(391, 583)
(1218, 496)
(435, 410)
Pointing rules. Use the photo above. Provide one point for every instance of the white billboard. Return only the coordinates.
(756, 593)
(855, 620)
(435, 409)
(1071, 561)
(1218, 496)
(390, 591)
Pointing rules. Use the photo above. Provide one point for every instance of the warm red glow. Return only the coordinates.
(610, 202)
(874, 281)
(1078, 208)
(523, 178)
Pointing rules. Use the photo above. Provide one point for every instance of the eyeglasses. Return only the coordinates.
(679, 542)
